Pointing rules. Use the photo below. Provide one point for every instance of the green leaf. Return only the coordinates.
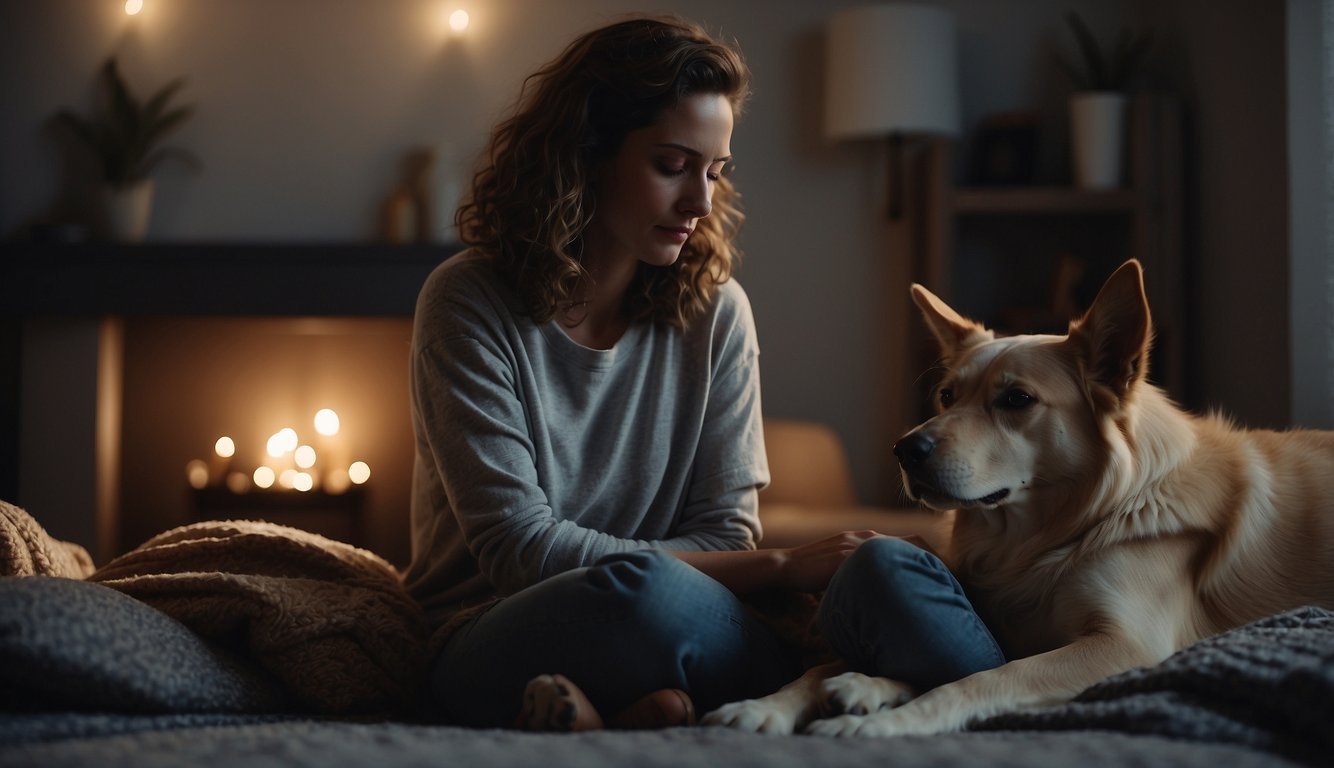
(154, 106)
(1090, 50)
(126, 134)
(1106, 72)
(157, 129)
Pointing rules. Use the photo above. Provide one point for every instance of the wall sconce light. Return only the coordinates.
(133, 7)
(458, 21)
(891, 71)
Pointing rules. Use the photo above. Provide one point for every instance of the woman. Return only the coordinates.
(586, 403)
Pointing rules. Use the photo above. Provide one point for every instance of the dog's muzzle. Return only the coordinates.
(913, 449)
(913, 452)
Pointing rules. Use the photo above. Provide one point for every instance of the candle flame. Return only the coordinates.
(326, 422)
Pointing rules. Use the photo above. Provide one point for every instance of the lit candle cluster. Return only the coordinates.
(289, 463)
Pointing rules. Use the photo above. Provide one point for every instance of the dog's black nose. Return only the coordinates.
(913, 449)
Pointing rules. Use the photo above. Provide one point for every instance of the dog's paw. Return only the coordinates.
(553, 703)
(754, 716)
(854, 726)
(853, 693)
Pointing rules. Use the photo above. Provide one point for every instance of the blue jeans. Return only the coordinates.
(637, 622)
(894, 610)
(629, 625)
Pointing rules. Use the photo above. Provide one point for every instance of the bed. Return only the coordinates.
(231, 643)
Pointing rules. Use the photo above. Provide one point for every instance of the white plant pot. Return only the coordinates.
(129, 209)
(1097, 138)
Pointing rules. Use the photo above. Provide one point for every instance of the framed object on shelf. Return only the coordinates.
(1005, 151)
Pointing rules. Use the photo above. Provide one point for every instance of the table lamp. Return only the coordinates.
(891, 71)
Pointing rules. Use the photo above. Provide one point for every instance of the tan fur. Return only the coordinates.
(1127, 530)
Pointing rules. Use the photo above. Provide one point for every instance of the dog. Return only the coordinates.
(1098, 526)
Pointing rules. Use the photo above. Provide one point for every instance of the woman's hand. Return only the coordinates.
(809, 567)
(806, 568)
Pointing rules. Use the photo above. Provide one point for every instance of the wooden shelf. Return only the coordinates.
(1033, 225)
(339, 279)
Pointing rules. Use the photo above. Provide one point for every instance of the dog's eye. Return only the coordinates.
(946, 398)
(1015, 400)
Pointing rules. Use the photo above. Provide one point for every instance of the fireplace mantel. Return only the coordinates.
(338, 279)
(59, 352)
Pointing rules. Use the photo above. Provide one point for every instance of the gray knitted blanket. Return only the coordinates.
(1268, 685)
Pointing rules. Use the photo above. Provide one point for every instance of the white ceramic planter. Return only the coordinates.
(129, 209)
(1097, 138)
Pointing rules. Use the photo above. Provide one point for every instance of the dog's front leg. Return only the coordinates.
(853, 693)
(1049, 678)
(784, 711)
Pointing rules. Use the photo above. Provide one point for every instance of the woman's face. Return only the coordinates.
(660, 183)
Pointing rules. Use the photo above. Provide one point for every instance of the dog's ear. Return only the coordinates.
(953, 331)
(1115, 334)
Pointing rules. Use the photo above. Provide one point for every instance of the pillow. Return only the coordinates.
(68, 644)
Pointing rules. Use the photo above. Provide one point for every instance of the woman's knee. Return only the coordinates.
(885, 584)
(896, 610)
(649, 587)
(889, 567)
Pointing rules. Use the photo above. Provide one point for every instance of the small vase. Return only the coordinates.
(1097, 138)
(129, 208)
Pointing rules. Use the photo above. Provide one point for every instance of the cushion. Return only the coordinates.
(69, 644)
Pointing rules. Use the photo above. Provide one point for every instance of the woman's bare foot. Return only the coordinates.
(665, 708)
(553, 703)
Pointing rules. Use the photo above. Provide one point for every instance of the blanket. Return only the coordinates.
(331, 622)
(26, 549)
(1268, 685)
(1188, 712)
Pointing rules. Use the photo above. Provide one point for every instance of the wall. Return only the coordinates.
(305, 107)
(1310, 65)
(1228, 58)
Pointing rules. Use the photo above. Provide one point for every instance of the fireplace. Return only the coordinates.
(136, 361)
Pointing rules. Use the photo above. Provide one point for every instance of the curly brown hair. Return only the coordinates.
(531, 200)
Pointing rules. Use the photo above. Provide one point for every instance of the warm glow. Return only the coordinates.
(197, 473)
(132, 7)
(264, 477)
(282, 442)
(326, 422)
(237, 482)
(305, 457)
(225, 447)
(458, 20)
(336, 481)
(359, 472)
(288, 478)
(302, 481)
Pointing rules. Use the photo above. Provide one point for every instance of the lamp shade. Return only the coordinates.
(891, 69)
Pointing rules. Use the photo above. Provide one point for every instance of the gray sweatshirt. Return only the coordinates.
(536, 455)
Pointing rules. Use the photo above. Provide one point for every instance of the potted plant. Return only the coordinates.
(1098, 106)
(126, 139)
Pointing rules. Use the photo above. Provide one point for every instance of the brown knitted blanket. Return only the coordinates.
(331, 622)
(26, 549)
